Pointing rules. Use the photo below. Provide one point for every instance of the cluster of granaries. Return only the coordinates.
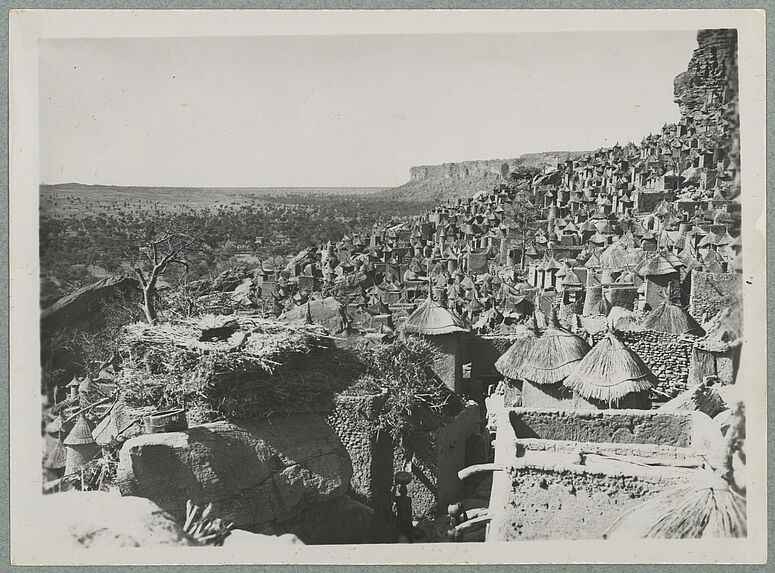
(627, 221)
(466, 258)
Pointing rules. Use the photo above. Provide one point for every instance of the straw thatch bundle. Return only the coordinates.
(672, 319)
(432, 319)
(264, 367)
(554, 355)
(610, 372)
(708, 508)
(510, 362)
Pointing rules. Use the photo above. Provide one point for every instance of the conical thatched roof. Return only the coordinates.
(672, 319)
(554, 355)
(431, 318)
(81, 433)
(609, 372)
(510, 362)
(656, 265)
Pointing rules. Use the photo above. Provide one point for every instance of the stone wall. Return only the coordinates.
(437, 457)
(711, 292)
(617, 426)
(371, 453)
(568, 503)
(668, 356)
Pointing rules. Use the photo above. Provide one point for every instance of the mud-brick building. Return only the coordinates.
(448, 333)
(571, 474)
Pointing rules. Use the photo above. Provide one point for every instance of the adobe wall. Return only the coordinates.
(592, 300)
(453, 350)
(568, 450)
(552, 396)
(614, 426)
(485, 351)
(621, 295)
(723, 363)
(557, 502)
(710, 292)
(668, 356)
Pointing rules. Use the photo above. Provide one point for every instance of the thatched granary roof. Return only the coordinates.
(609, 372)
(554, 355)
(510, 362)
(672, 319)
(81, 433)
(656, 265)
(431, 318)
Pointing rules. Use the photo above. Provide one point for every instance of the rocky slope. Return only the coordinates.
(464, 179)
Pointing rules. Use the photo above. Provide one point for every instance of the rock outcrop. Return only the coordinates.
(710, 80)
(466, 178)
(256, 473)
(103, 520)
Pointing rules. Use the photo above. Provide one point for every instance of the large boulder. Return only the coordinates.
(255, 472)
(105, 520)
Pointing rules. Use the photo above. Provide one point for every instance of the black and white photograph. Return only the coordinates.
(387, 287)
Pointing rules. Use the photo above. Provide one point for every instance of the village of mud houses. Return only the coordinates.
(552, 355)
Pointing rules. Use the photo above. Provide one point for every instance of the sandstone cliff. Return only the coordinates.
(710, 80)
(466, 178)
(706, 93)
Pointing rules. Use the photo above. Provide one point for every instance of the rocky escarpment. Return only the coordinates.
(464, 169)
(466, 178)
(710, 80)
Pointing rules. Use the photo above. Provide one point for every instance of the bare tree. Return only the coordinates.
(160, 251)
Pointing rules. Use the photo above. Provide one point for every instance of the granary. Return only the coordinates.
(509, 364)
(56, 454)
(661, 278)
(717, 353)
(670, 318)
(447, 332)
(552, 358)
(81, 447)
(612, 376)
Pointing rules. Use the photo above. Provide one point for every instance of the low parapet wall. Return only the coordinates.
(612, 426)
(532, 448)
(566, 501)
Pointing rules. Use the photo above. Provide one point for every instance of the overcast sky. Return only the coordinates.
(315, 111)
